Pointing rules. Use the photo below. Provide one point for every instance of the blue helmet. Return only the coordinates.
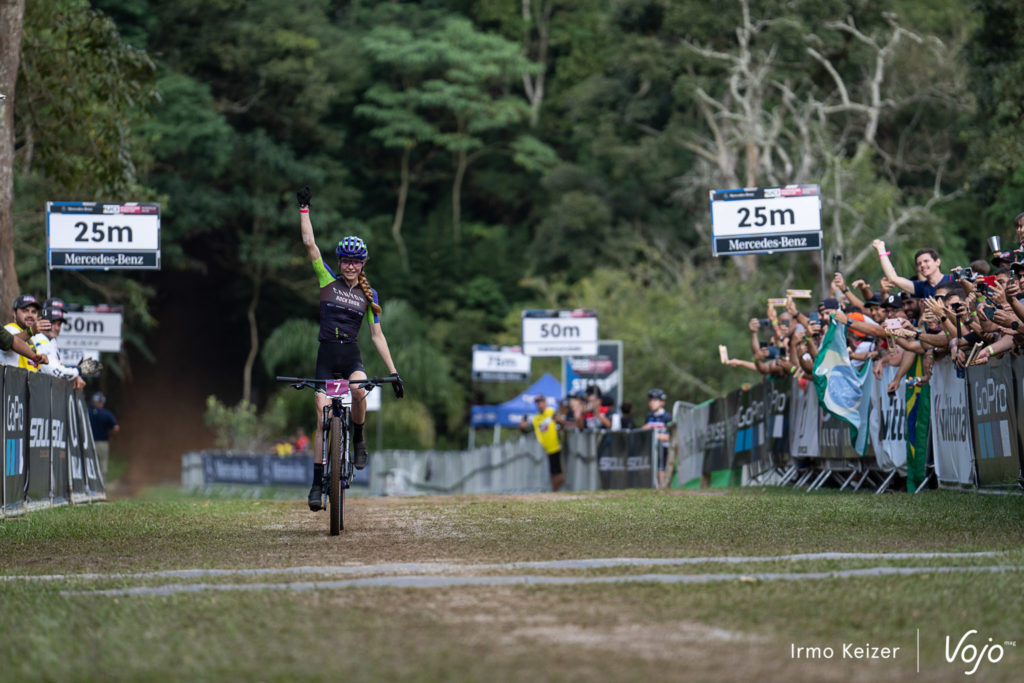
(352, 247)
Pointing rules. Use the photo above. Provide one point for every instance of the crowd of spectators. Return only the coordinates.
(971, 314)
(594, 411)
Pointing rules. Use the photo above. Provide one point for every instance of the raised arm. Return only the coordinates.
(890, 272)
(304, 196)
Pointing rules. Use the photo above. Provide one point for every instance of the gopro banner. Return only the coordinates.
(15, 436)
(777, 399)
(889, 422)
(625, 459)
(951, 432)
(748, 425)
(995, 422)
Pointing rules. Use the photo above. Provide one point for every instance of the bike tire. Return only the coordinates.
(334, 490)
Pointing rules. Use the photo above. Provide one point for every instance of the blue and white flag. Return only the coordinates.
(843, 391)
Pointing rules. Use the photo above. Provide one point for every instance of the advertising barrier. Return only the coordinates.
(49, 456)
(971, 427)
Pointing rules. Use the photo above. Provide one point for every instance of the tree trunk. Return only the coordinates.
(396, 226)
(254, 338)
(11, 14)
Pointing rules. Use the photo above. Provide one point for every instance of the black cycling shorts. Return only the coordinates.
(337, 361)
(555, 462)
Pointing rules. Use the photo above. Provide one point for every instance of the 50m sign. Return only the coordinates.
(98, 236)
(559, 333)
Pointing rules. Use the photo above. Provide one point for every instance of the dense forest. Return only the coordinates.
(500, 155)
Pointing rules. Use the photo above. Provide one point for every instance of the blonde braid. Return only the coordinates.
(365, 285)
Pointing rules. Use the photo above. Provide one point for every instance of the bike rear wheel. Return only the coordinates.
(335, 490)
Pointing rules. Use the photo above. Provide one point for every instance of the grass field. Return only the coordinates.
(452, 588)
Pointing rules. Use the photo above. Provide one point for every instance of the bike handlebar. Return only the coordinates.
(366, 384)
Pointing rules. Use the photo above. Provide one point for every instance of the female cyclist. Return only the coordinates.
(343, 305)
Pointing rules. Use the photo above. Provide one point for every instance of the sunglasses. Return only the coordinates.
(348, 263)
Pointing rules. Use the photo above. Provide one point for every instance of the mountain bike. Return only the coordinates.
(335, 449)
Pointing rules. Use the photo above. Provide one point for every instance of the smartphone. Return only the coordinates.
(814, 318)
(723, 354)
(764, 322)
(990, 312)
(893, 324)
(773, 352)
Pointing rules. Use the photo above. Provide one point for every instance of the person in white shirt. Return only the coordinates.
(46, 343)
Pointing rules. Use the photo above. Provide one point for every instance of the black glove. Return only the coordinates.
(398, 386)
(304, 196)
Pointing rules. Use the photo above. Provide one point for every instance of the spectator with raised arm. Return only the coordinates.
(928, 266)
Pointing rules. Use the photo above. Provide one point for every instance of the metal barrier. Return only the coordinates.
(590, 461)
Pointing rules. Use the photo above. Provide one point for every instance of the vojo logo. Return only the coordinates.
(991, 397)
(771, 193)
(14, 415)
(973, 655)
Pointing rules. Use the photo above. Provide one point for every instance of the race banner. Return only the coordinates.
(624, 459)
(59, 460)
(804, 421)
(748, 425)
(78, 440)
(691, 430)
(720, 456)
(38, 418)
(716, 447)
(995, 422)
(777, 399)
(889, 422)
(603, 370)
(951, 432)
(834, 438)
(93, 477)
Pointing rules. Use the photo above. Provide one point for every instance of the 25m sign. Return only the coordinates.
(97, 236)
(765, 219)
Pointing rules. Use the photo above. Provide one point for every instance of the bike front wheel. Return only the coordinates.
(335, 490)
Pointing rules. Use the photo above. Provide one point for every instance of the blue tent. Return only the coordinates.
(511, 412)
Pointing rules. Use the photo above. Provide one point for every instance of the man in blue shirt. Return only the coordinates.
(103, 425)
(929, 275)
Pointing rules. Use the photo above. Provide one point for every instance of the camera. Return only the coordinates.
(964, 273)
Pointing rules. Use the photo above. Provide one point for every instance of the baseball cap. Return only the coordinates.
(857, 315)
(893, 301)
(656, 393)
(539, 397)
(874, 300)
(53, 314)
(98, 397)
(1002, 258)
(54, 302)
(26, 300)
(830, 304)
